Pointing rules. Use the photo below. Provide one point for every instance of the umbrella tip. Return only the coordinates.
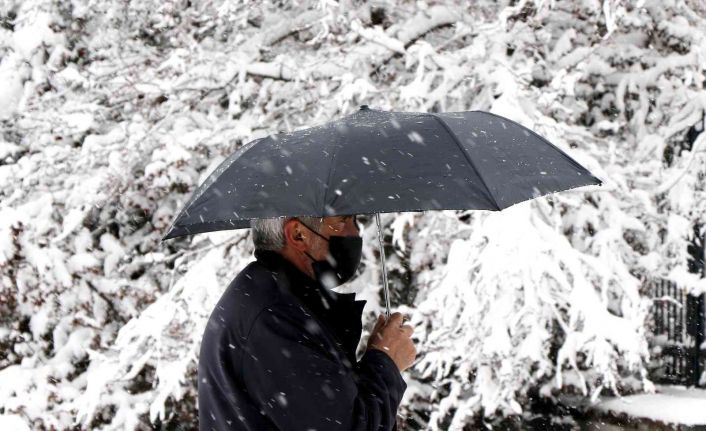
(364, 108)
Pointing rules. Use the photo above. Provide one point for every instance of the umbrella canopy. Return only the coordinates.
(375, 161)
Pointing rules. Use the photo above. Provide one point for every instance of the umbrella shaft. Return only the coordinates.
(384, 271)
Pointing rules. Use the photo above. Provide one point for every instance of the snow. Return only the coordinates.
(79, 121)
(11, 89)
(7, 149)
(32, 33)
(669, 405)
(70, 77)
(13, 422)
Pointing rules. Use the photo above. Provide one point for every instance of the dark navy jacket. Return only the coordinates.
(278, 353)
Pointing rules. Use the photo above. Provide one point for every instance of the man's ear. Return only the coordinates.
(295, 235)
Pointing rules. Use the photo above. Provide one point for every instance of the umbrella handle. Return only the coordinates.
(384, 271)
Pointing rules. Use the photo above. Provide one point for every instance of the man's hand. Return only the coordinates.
(394, 339)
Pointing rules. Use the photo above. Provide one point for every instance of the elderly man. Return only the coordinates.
(279, 350)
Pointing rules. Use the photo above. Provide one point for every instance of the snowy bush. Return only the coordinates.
(113, 112)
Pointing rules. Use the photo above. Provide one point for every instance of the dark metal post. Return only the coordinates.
(698, 317)
(673, 324)
(701, 313)
(697, 326)
(658, 306)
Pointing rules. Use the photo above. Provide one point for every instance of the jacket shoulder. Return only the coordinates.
(251, 291)
(254, 295)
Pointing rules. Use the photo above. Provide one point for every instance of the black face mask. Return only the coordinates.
(343, 258)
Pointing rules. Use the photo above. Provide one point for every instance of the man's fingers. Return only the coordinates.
(396, 319)
(407, 329)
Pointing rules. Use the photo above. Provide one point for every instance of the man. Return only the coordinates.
(278, 352)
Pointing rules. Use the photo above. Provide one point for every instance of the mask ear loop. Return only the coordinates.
(313, 231)
(357, 224)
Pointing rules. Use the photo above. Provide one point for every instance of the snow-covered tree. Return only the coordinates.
(113, 112)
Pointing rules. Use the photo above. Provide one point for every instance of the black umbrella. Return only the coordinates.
(375, 161)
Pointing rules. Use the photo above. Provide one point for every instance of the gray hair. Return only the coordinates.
(268, 233)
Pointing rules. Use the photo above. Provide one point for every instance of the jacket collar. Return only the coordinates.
(301, 282)
(340, 311)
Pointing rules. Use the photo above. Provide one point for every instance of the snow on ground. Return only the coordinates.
(670, 405)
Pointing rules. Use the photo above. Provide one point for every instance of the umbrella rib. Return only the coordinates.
(327, 185)
(545, 141)
(468, 158)
(239, 153)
